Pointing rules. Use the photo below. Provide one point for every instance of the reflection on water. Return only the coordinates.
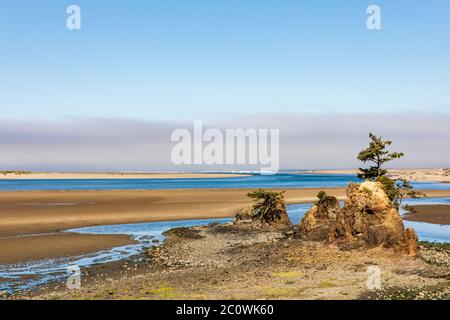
(40, 272)
(428, 231)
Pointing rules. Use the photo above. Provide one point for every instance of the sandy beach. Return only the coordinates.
(43, 212)
(19, 249)
(439, 214)
(111, 175)
(431, 175)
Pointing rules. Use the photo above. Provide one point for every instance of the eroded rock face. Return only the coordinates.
(284, 220)
(368, 219)
(317, 221)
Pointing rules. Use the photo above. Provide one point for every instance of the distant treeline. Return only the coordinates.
(6, 172)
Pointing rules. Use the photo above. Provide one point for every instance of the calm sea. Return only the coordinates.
(284, 180)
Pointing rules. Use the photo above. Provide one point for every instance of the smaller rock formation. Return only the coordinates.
(281, 222)
(412, 242)
(316, 223)
(269, 210)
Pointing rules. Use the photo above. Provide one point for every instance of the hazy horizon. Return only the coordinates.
(311, 141)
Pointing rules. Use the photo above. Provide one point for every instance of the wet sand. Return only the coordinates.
(438, 214)
(19, 249)
(40, 212)
(27, 212)
(113, 175)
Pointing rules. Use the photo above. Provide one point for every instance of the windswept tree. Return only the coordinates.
(377, 155)
(269, 206)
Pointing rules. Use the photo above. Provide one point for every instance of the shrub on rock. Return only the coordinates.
(269, 208)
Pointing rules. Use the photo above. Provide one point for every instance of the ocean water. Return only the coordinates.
(428, 231)
(282, 180)
(29, 275)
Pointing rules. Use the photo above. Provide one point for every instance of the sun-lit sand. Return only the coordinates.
(41, 212)
(432, 175)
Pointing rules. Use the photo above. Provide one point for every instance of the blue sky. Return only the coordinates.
(108, 96)
(192, 59)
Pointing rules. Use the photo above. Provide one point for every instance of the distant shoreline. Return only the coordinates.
(113, 175)
(425, 175)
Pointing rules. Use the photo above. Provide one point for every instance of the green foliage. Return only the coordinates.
(441, 247)
(397, 190)
(367, 190)
(409, 209)
(389, 187)
(324, 197)
(269, 205)
(377, 155)
(321, 195)
(406, 190)
(18, 172)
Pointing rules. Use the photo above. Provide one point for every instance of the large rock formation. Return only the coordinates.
(368, 219)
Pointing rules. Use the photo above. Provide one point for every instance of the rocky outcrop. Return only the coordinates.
(316, 222)
(281, 222)
(368, 219)
(411, 242)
